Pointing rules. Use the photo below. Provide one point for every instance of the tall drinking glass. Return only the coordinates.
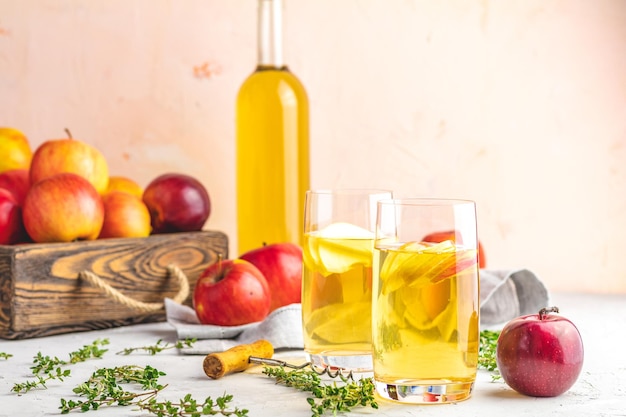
(337, 277)
(426, 300)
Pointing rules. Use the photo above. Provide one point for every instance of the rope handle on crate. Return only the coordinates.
(172, 270)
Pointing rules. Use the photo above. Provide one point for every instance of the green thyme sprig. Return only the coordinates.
(188, 406)
(487, 352)
(40, 380)
(105, 387)
(46, 364)
(46, 368)
(5, 356)
(160, 346)
(91, 351)
(331, 398)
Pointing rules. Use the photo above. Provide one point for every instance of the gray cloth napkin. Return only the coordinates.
(282, 328)
(504, 295)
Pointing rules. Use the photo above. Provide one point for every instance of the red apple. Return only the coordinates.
(17, 181)
(11, 226)
(125, 215)
(452, 235)
(231, 293)
(63, 208)
(69, 155)
(177, 203)
(540, 355)
(281, 265)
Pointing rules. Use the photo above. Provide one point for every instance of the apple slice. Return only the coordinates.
(339, 246)
(403, 265)
(330, 322)
(420, 263)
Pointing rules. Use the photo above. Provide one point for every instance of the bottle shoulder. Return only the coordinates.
(273, 79)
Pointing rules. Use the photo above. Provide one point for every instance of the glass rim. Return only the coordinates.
(425, 201)
(349, 191)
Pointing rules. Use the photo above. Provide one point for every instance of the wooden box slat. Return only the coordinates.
(41, 293)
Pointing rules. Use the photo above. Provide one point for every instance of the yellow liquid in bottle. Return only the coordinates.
(272, 158)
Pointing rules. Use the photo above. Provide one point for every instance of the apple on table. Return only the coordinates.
(231, 292)
(540, 355)
(281, 265)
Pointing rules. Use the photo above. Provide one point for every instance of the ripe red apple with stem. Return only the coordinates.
(281, 265)
(57, 156)
(231, 293)
(177, 203)
(540, 355)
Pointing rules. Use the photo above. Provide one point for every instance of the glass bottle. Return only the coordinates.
(272, 143)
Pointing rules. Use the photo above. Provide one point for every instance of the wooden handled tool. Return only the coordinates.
(235, 359)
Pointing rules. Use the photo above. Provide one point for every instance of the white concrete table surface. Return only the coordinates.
(599, 391)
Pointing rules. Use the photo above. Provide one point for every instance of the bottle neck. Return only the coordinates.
(270, 37)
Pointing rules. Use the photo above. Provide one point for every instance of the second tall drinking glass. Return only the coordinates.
(425, 308)
(339, 230)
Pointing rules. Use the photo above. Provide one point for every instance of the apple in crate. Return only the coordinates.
(540, 355)
(124, 184)
(125, 215)
(17, 181)
(63, 208)
(177, 203)
(57, 156)
(231, 293)
(11, 227)
(15, 151)
(281, 265)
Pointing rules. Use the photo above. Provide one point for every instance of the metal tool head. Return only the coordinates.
(320, 370)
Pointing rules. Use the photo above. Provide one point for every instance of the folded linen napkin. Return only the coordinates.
(504, 295)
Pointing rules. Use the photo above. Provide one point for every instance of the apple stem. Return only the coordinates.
(544, 312)
(69, 134)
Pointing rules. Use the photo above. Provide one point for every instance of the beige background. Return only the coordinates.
(517, 104)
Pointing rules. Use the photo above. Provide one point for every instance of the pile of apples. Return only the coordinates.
(245, 290)
(62, 192)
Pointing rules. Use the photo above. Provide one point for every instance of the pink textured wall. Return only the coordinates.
(519, 105)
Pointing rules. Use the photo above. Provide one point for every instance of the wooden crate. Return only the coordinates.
(42, 292)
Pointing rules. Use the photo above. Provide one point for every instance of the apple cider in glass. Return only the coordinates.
(338, 246)
(425, 320)
(337, 295)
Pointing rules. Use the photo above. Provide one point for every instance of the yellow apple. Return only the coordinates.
(125, 215)
(63, 208)
(124, 184)
(15, 151)
(56, 156)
